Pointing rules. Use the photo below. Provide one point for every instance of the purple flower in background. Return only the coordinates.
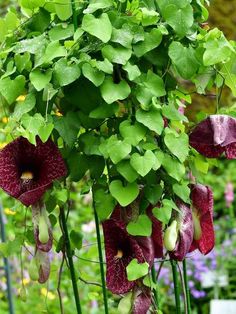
(27, 171)
(229, 194)
(214, 136)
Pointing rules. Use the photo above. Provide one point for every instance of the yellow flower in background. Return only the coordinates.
(5, 120)
(25, 281)
(21, 98)
(9, 212)
(48, 294)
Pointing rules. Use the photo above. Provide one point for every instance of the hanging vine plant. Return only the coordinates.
(107, 82)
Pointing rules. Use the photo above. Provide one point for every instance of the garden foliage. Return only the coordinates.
(108, 81)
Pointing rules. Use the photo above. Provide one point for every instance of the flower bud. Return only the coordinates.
(171, 236)
(23, 294)
(33, 270)
(197, 227)
(43, 230)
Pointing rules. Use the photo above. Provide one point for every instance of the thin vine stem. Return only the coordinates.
(183, 289)
(70, 259)
(154, 279)
(176, 286)
(186, 286)
(75, 21)
(104, 290)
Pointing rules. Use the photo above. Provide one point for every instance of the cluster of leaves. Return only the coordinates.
(106, 79)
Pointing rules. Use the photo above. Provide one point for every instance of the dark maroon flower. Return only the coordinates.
(214, 136)
(183, 222)
(202, 203)
(142, 300)
(27, 171)
(157, 234)
(120, 249)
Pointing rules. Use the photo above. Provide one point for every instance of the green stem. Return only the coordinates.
(123, 6)
(70, 259)
(176, 286)
(186, 286)
(75, 21)
(6, 266)
(154, 279)
(104, 290)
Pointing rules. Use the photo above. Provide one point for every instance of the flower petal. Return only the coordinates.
(117, 240)
(43, 265)
(202, 201)
(44, 160)
(41, 246)
(215, 135)
(185, 222)
(157, 234)
(230, 151)
(142, 300)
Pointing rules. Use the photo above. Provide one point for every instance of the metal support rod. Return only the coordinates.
(6, 266)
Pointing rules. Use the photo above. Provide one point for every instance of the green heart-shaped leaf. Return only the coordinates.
(11, 89)
(132, 134)
(93, 74)
(143, 164)
(112, 92)
(65, 73)
(99, 27)
(178, 145)
(141, 227)
(128, 172)
(118, 55)
(136, 270)
(124, 194)
(117, 150)
(182, 190)
(40, 79)
(173, 167)
(104, 204)
(152, 119)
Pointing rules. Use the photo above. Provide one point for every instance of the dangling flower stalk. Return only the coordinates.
(176, 286)
(104, 290)
(75, 22)
(186, 286)
(70, 259)
(154, 279)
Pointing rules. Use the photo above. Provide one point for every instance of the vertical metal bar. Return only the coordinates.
(6, 265)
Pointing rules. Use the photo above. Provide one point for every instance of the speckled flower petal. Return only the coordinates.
(41, 246)
(43, 263)
(185, 222)
(230, 151)
(43, 160)
(142, 300)
(31, 197)
(215, 135)
(157, 234)
(118, 240)
(202, 201)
